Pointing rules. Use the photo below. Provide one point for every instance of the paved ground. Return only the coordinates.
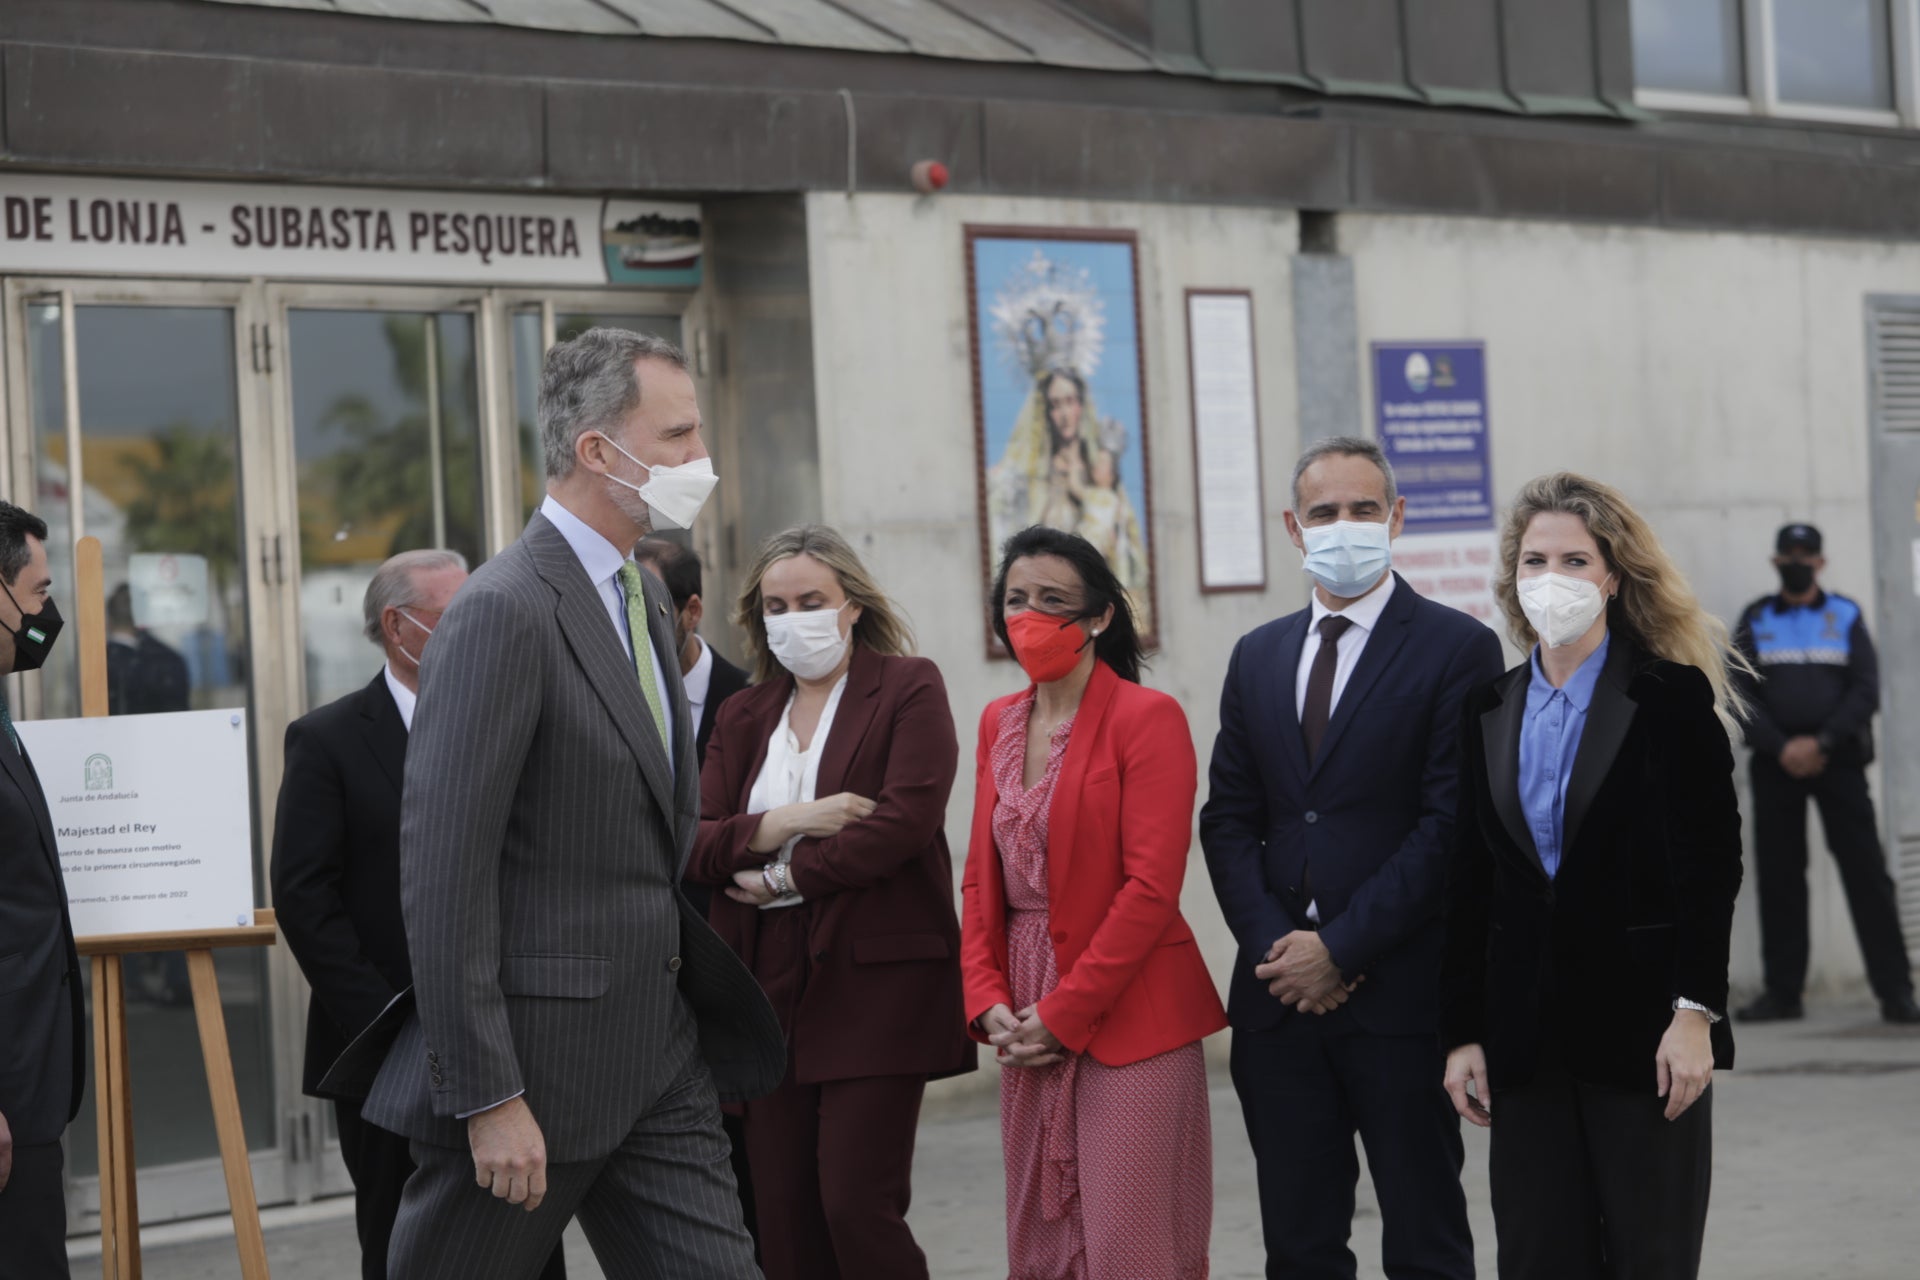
(1818, 1161)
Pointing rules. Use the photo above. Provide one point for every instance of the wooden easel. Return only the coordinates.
(113, 1088)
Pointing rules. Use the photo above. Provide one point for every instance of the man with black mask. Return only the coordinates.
(42, 1059)
(1811, 730)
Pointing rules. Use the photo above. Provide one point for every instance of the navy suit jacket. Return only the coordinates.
(1373, 815)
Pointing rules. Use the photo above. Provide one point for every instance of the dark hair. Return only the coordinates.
(677, 564)
(16, 526)
(1118, 644)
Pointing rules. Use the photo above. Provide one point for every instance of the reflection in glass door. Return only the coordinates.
(386, 433)
(145, 456)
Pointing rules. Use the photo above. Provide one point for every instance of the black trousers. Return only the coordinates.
(33, 1215)
(1780, 852)
(1593, 1183)
(1307, 1087)
(379, 1165)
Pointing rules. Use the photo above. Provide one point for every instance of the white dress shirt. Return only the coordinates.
(790, 775)
(1364, 614)
(698, 681)
(403, 697)
(602, 561)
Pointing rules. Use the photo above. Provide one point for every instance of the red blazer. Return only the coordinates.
(884, 995)
(1132, 983)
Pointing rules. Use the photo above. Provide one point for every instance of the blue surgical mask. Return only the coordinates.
(1348, 557)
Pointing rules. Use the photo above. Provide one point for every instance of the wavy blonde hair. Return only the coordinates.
(1655, 605)
(881, 627)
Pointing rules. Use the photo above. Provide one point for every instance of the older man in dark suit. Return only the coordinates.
(336, 869)
(1326, 829)
(576, 1021)
(42, 1028)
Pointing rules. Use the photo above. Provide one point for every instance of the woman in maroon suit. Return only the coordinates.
(822, 804)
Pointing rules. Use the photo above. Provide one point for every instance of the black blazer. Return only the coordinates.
(336, 865)
(1586, 966)
(725, 681)
(43, 1028)
(1373, 815)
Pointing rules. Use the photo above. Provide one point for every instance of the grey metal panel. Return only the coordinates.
(1453, 52)
(1355, 47)
(139, 111)
(562, 15)
(695, 18)
(929, 29)
(1552, 63)
(1251, 39)
(1893, 372)
(419, 10)
(1053, 35)
(672, 138)
(1613, 53)
(817, 22)
(1505, 176)
(1104, 153)
(1130, 18)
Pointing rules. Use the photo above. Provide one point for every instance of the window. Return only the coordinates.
(1845, 61)
(1689, 46)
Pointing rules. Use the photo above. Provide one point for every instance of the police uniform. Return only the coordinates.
(1818, 676)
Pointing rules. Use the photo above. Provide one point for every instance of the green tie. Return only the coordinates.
(7, 720)
(636, 595)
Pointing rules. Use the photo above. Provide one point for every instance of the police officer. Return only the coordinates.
(1811, 730)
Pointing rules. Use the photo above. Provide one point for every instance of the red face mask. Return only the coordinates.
(1047, 646)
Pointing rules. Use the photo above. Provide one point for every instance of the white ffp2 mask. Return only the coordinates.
(1561, 609)
(674, 495)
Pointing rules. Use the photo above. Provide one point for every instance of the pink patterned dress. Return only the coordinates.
(1109, 1169)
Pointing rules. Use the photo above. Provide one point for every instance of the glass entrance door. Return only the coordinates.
(137, 419)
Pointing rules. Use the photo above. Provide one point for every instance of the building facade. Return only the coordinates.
(278, 277)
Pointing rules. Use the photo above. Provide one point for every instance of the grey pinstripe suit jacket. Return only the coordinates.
(542, 840)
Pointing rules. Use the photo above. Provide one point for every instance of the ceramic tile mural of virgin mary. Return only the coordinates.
(1059, 399)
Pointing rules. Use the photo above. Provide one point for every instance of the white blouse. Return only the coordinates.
(790, 775)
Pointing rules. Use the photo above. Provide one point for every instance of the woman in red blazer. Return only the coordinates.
(1079, 969)
(822, 806)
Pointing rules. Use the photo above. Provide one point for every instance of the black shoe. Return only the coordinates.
(1902, 1010)
(1772, 1008)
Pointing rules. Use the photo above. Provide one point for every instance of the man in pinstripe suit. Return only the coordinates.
(576, 1022)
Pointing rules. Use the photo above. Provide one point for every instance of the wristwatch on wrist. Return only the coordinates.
(1681, 1002)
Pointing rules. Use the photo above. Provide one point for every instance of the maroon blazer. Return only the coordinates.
(884, 996)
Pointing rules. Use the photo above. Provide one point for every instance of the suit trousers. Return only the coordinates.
(1595, 1183)
(379, 1164)
(33, 1215)
(1306, 1087)
(832, 1162)
(660, 1206)
(1780, 853)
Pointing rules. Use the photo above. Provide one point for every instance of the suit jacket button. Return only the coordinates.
(673, 965)
(1060, 937)
(1311, 816)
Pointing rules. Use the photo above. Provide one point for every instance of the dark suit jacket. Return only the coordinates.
(42, 1026)
(1588, 964)
(544, 831)
(1373, 815)
(725, 681)
(884, 994)
(336, 865)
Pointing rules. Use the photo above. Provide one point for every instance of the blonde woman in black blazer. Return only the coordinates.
(1590, 898)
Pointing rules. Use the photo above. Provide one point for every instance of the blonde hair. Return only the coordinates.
(880, 627)
(1654, 605)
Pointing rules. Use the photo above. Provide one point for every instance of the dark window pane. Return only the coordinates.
(1693, 46)
(1834, 53)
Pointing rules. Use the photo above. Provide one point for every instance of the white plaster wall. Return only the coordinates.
(1719, 380)
(898, 456)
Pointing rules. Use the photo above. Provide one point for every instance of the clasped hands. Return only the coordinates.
(814, 818)
(1299, 971)
(1021, 1039)
(1803, 758)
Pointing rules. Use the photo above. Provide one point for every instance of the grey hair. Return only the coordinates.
(1344, 447)
(589, 384)
(393, 586)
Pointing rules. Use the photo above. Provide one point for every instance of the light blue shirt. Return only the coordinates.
(1549, 740)
(602, 561)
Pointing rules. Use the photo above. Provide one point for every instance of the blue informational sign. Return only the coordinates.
(1430, 416)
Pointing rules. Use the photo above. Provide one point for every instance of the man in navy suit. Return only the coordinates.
(1327, 831)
